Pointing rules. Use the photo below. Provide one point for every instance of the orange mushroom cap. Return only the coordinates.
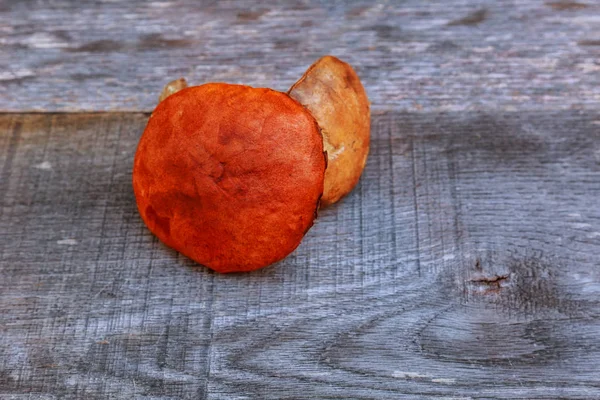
(230, 175)
(333, 93)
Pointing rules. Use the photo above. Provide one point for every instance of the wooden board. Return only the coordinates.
(464, 265)
(435, 55)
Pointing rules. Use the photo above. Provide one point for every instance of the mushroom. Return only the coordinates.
(230, 175)
(332, 92)
(172, 88)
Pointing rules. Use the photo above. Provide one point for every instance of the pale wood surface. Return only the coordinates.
(434, 55)
(465, 265)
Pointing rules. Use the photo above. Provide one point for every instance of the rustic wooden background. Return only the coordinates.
(465, 265)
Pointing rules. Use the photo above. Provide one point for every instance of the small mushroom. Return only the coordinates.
(172, 88)
(230, 175)
(332, 92)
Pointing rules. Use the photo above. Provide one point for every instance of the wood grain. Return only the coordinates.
(437, 55)
(464, 265)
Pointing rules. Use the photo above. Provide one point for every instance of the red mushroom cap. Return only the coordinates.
(230, 175)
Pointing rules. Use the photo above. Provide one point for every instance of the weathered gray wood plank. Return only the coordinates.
(438, 55)
(465, 265)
